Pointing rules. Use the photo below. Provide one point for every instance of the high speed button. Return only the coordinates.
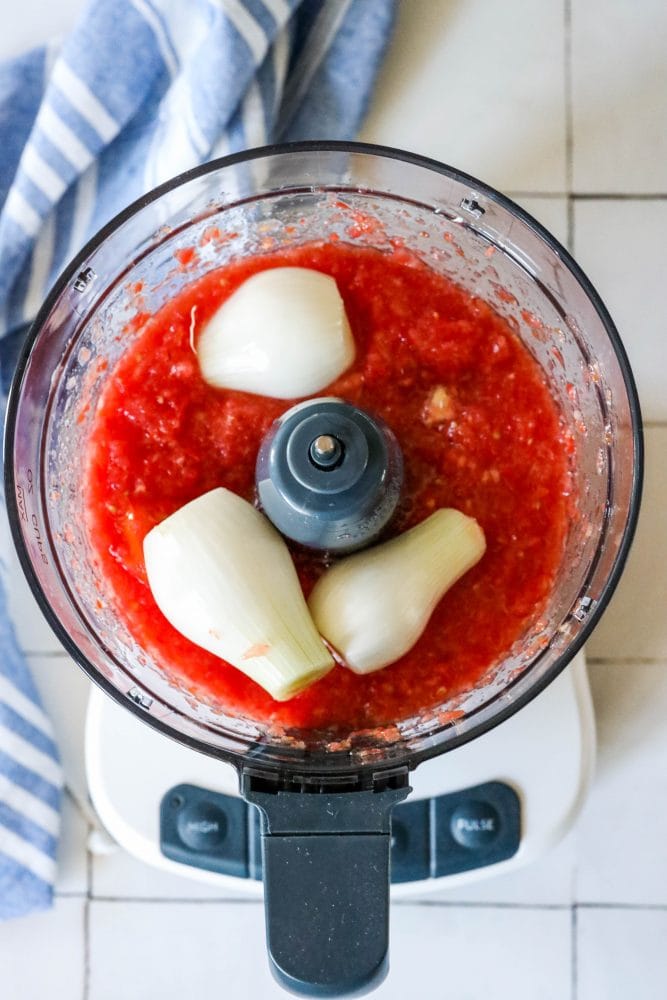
(205, 829)
(202, 826)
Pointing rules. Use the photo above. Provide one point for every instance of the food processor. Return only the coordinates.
(324, 841)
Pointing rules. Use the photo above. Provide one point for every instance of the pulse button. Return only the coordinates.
(475, 824)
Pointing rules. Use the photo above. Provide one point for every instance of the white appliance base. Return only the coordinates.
(546, 752)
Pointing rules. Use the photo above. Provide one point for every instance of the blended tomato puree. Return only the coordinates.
(478, 428)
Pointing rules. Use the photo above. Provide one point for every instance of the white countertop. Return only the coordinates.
(562, 103)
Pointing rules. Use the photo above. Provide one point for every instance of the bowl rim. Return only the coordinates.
(331, 763)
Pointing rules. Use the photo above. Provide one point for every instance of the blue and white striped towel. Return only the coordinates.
(141, 90)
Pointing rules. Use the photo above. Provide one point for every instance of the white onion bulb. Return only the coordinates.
(222, 575)
(373, 606)
(283, 333)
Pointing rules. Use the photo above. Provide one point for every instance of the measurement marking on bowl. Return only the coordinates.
(584, 608)
(84, 279)
(139, 698)
(472, 206)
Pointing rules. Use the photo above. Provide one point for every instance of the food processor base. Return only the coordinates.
(482, 809)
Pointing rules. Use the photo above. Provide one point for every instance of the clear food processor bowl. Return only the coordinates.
(278, 197)
(325, 856)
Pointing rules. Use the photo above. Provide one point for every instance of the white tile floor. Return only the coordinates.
(621, 953)
(44, 955)
(559, 102)
(609, 234)
(619, 97)
(141, 950)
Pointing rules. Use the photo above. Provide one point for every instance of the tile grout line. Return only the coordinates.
(433, 904)
(619, 196)
(86, 919)
(569, 128)
(534, 194)
(188, 900)
(574, 931)
(570, 224)
(574, 913)
(86, 948)
(562, 907)
(625, 907)
(587, 905)
(589, 195)
(479, 905)
(631, 661)
(424, 903)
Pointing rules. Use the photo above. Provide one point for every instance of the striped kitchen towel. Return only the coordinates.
(140, 90)
(30, 785)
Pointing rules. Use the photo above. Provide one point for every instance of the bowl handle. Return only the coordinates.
(325, 857)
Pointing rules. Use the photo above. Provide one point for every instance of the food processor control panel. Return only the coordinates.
(180, 811)
(443, 835)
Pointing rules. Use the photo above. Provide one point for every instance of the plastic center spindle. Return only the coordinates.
(329, 475)
(326, 452)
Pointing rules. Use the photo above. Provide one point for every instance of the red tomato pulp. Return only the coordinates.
(478, 428)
